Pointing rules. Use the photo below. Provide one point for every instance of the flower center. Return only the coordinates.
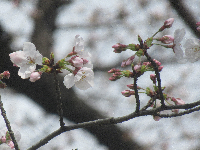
(83, 76)
(196, 49)
(30, 60)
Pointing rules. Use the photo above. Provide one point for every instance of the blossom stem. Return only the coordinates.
(59, 100)
(3, 112)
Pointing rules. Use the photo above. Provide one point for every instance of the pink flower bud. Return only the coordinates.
(128, 93)
(153, 78)
(11, 144)
(112, 78)
(178, 101)
(156, 118)
(6, 74)
(77, 62)
(160, 68)
(137, 68)
(3, 139)
(168, 23)
(131, 86)
(118, 48)
(157, 62)
(114, 70)
(198, 23)
(35, 76)
(167, 39)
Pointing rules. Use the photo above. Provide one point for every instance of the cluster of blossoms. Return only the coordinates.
(81, 73)
(5, 139)
(5, 75)
(192, 47)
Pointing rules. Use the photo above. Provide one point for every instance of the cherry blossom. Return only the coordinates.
(26, 59)
(192, 50)
(79, 47)
(178, 37)
(83, 79)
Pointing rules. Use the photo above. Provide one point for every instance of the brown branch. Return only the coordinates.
(3, 113)
(110, 121)
(157, 76)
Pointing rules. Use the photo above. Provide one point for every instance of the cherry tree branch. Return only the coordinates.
(3, 113)
(157, 76)
(109, 121)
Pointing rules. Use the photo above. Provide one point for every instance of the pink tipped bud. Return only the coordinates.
(198, 23)
(6, 74)
(131, 86)
(35, 76)
(128, 93)
(167, 39)
(112, 78)
(160, 68)
(157, 62)
(153, 78)
(178, 101)
(77, 62)
(3, 139)
(11, 144)
(114, 70)
(156, 118)
(118, 48)
(168, 23)
(137, 68)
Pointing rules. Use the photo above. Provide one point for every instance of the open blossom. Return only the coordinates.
(79, 47)
(178, 37)
(26, 59)
(83, 79)
(192, 49)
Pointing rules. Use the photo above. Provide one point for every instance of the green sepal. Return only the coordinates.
(132, 47)
(45, 61)
(139, 53)
(149, 42)
(148, 91)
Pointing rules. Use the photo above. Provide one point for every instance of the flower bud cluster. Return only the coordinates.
(80, 68)
(117, 74)
(5, 139)
(169, 101)
(5, 75)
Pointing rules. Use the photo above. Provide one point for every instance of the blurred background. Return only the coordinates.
(52, 25)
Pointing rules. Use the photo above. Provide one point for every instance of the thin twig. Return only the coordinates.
(3, 113)
(157, 76)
